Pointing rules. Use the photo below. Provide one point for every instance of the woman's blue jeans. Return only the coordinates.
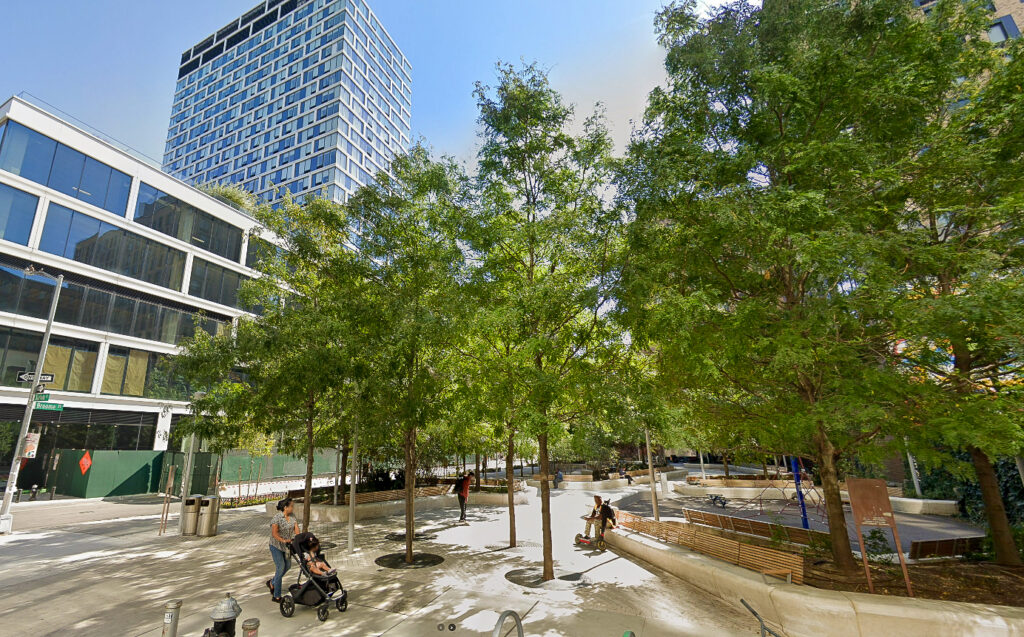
(281, 562)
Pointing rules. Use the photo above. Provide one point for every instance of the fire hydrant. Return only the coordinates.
(224, 615)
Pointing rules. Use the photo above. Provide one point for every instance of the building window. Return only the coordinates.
(40, 159)
(215, 283)
(133, 372)
(74, 235)
(1002, 30)
(17, 212)
(71, 361)
(175, 218)
(101, 309)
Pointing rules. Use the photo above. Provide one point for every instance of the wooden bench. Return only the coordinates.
(792, 534)
(766, 561)
(949, 547)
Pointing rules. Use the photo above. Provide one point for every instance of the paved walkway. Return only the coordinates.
(112, 577)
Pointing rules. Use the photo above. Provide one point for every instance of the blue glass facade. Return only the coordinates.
(40, 159)
(303, 96)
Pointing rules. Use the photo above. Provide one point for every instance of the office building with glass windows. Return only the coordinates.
(304, 96)
(146, 259)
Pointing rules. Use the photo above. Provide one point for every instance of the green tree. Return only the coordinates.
(760, 177)
(541, 242)
(406, 233)
(283, 371)
(953, 248)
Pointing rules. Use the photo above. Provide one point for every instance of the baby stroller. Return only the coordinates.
(310, 589)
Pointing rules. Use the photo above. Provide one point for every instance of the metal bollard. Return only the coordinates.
(172, 610)
(251, 627)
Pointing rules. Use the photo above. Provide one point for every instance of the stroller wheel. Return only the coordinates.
(287, 606)
(579, 537)
(342, 604)
(321, 613)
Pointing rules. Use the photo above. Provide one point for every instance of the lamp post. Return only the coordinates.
(6, 519)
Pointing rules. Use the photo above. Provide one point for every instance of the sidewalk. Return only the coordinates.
(104, 578)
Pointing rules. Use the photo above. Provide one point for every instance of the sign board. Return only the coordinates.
(50, 406)
(85, 463)
(869, 500)
(31, 444)
(40, 397)
(28, 377)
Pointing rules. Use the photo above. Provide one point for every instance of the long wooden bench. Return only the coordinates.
(949, 547)
(792, 534)
(767, 561)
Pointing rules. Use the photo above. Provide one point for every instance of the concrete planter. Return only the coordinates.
(802, 611)
(389, 508)
(496, 499)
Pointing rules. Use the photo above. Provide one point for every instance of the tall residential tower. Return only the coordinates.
(304, 95)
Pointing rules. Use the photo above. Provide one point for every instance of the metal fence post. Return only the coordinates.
(171, 611)
(251, 627)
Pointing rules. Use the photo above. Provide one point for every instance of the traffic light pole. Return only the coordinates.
(6, 519)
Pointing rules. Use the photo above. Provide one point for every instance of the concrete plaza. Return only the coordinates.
(99, 568)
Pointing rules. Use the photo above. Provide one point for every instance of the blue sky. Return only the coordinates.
(113, 63)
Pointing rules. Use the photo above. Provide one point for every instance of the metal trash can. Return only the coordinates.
(209, 514)
(190, 514)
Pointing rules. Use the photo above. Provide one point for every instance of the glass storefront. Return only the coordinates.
(71, 361)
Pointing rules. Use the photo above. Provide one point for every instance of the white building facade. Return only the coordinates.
(304, 96)
(147, 260)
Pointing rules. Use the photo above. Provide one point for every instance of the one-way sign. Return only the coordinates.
(29, 377)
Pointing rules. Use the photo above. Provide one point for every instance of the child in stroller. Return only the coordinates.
(321, 585)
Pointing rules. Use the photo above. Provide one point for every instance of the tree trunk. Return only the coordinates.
(725, 464)
(510, 477)
(1002, 536)
(842, 554)
(307, 496)
(477, 472)
(410, 491)
(545, 508)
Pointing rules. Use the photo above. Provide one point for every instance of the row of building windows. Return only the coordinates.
(215, 283)
(92, 307)
(128, 372)
(40, 159)
(36, 157)
(75, 235)
(173, 217)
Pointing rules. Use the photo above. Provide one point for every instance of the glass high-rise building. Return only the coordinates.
(300, 95)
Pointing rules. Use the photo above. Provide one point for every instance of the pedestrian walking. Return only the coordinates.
(283, 527)
(462, 488)
(558, 478)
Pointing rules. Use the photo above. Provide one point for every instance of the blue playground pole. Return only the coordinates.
(800, 494)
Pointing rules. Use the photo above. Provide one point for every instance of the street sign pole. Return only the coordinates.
(6, 519)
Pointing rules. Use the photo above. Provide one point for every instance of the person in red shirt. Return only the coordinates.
(462, 488)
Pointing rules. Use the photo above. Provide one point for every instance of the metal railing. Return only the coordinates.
(765, 630)
(501, 622)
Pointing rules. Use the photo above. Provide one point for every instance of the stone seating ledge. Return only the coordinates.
(803, 611)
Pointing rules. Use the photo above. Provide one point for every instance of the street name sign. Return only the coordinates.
(50, 406)
(41, 397)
